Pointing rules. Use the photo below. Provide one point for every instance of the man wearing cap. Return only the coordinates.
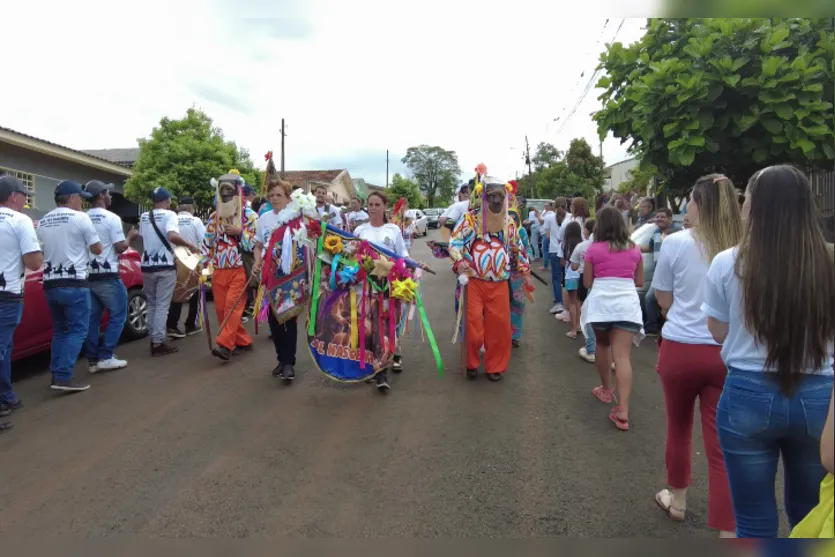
(20, 249)
(454, 212)
(107, 291)
(192, 230)
(249, 195)
(159, 230)
(484, 246)
(68, 238)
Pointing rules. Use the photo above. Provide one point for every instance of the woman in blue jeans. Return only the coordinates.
(769, 303)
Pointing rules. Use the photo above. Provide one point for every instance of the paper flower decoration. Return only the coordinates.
(333, 244)
(235, 171)
(306, 202)
(478, 188)
(347, 274)
(268, 156)
(314, 229)
(404, 289)
(399, 270)
(382, 268)
(481, 169)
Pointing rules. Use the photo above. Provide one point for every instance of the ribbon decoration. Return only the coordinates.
(363, 304)
(334, 265)
(432, 344)
(354, 328)
(317, 274)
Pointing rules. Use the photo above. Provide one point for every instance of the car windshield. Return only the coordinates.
(432, 212)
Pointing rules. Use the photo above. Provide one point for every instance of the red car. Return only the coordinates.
(34, 334)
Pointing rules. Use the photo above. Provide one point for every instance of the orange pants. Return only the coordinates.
(488, 325)
(227, 287)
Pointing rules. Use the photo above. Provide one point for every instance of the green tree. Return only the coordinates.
(406, 188)
(183, 155)
(435, 170)
(580, 170)
(545, 156)
(695, 96)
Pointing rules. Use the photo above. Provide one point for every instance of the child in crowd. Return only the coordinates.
(577, 260)
(614, 266)
(408, 231)
(573, 237)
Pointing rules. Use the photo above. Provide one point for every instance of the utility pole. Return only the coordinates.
(528, 162)
(387, 168)
(283, 134)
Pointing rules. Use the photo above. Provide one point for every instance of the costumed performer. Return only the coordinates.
(279, 254)
(230, 231)
(388, 235)
(482, 249)
(518, 292)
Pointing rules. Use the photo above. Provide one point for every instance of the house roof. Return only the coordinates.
(304, 177)
(33, 143)
(125, 157)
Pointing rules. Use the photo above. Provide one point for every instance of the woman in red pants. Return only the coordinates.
(689, 363)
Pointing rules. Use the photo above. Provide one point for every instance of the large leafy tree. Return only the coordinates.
(435, 170)
(406, 188)
(183, 155)
(695, 96)
(562, 174)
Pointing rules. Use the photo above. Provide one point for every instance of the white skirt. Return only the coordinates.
(611, 300)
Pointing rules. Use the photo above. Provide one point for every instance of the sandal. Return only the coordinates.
(619, 422)
(571, 334)
(664, 499)
(602, 394)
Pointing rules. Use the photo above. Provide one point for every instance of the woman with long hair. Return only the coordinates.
(573, 237)
(769, 303)
(377, 230)
(613, 269)
(579, 213)
(689, 363)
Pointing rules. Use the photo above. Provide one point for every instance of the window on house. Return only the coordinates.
(27, 179)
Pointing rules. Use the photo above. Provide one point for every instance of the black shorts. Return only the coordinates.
(582, 291)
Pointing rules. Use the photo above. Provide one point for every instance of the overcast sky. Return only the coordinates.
(351, 78)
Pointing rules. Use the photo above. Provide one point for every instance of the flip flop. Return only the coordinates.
(664, 499)
(620, 423)
(571, 334)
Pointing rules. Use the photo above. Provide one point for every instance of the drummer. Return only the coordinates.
(193, 230)
(107, 292)
(387, 235)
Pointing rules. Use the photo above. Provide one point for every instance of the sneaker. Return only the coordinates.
(494, 377)
(241, 350)
(193, 330)
(174, 332)
(382, 382)
(162, 349)
(586, 356)
(5, 426)
(289, 372)
(92, 367)
(472, 373)
(68, 386)
(4, 410)
(16, 404)
(397, 365)
(556, 309)
(222, 353)
(564, 316)
(278, 370)
(110, 364)
(244, 319)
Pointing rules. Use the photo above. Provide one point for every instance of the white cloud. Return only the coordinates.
(351, 78)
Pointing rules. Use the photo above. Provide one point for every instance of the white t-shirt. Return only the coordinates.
(192, 228)
(66, 236)
(109, 229)
(18, 237)
(681, 269)
(334, 213)
(456, 211)
(723, 302)
(387, 236)
(551, 228)
(155, 256)
(357, 217)
(560, 235)
(578, 256)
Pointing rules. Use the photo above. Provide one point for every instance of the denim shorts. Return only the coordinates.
(622, 325)
(572, 284)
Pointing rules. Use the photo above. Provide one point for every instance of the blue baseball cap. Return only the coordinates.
(248, 189)
(160, 194)
(68, 187)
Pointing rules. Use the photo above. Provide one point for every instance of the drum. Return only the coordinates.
(188, 274)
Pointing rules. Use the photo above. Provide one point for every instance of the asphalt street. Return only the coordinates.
(185, 446)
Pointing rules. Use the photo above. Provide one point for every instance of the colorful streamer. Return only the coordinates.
(432, 344)
(314, 303)
(354, 324)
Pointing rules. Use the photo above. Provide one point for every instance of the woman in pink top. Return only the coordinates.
(613, 268)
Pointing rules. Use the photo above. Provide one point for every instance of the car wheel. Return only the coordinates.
(136, 324)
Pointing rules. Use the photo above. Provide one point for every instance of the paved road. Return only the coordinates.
(187, 447)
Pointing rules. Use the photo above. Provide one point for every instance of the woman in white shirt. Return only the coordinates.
(579, 214)
(769, 302)
(689, 363)
(386, 235)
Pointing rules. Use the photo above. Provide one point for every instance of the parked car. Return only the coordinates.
(641, 236)
(432, 216)
(421, 221)
(34, 334)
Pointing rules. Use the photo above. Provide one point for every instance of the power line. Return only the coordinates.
(588, 86)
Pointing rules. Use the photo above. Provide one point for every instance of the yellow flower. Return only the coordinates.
(477, 188)
(333, 244)
(404, 289)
